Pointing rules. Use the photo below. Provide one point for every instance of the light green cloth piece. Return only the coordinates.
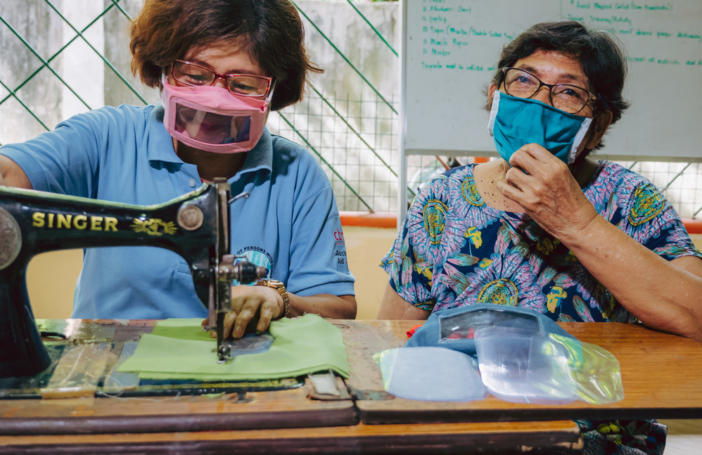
(182, 329)
(179, 349)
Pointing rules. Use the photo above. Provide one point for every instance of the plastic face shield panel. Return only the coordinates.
(515, 368)
(211, 128)
(463, 326)
(546, 368)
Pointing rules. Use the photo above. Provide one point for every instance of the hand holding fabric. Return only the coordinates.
(249, 302)
(544, 186)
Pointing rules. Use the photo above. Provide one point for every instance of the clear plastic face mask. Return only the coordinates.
(211, 128)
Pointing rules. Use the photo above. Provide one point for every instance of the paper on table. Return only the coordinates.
(179, 349)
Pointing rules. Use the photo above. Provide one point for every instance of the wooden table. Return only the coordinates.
(463, 438)
(662, 377)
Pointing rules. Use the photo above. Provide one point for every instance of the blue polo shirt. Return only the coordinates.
(290, 224)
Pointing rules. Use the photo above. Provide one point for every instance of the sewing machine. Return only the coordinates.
(195, 225)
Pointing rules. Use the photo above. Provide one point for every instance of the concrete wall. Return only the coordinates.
(52, 276)
(365, 248)
(99, 85)
(337, 20)
(33, 20)
(51, 279)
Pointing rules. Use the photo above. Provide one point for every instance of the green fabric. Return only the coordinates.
(180, 349)
(182, 329)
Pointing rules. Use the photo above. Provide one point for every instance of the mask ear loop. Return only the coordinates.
(578, 139)
(269, 97)
(493, 111)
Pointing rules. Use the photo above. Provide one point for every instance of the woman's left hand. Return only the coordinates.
(548, 192)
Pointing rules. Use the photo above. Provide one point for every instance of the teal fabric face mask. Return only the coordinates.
(515, 122)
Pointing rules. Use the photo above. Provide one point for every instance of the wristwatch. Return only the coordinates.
(280, 287)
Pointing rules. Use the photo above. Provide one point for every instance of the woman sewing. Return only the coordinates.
(221, 66)
(546, 228)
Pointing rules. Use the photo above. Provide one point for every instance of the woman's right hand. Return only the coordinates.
(259, 304)
(249, 302)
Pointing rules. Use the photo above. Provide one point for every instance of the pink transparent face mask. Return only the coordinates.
(212, 118)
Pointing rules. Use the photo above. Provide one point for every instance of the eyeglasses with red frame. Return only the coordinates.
(194, 75)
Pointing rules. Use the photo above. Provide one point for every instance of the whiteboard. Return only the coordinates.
(451, 49)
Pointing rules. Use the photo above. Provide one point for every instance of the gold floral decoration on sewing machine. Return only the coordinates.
(154, 226)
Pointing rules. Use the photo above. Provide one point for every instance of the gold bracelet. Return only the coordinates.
(280, 287)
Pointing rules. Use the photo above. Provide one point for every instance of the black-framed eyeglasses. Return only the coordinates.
(568, 98)
(195, 75)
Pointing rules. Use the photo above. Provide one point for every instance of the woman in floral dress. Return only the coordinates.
(555, 232)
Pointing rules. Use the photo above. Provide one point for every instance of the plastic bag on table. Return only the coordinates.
(594, 370)
(430, 374)
(523, 367)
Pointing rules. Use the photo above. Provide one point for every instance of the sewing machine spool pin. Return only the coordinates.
(196, 226)
(244, 195)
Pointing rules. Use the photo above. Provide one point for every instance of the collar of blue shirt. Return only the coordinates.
(160, 148)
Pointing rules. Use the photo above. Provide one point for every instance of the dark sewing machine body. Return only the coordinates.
(196, 226)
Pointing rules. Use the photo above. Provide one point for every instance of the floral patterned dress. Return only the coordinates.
(455, 250)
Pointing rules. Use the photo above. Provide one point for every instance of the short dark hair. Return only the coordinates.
(271, 30)
(599, 55)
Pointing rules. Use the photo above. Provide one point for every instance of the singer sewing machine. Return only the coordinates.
(195, 225)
